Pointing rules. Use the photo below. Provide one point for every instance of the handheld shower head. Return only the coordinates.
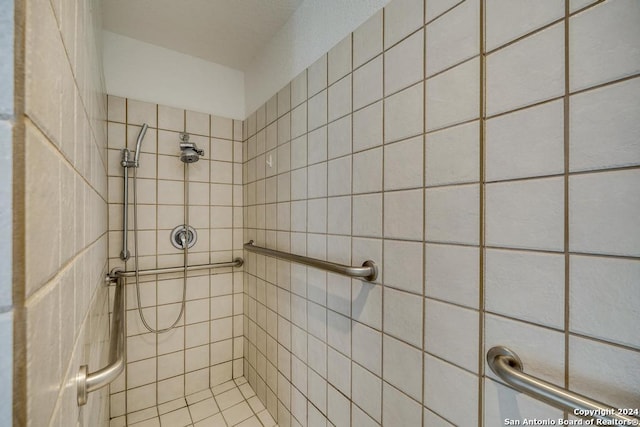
(139, 143)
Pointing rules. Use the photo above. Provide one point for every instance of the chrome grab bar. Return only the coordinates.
(507, 365)
(88, 382)
(116, 272)
(368, 271)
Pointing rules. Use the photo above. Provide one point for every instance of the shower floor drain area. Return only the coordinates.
(233, 403)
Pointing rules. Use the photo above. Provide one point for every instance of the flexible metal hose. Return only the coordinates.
(185, 245)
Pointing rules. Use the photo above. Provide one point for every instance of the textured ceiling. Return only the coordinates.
(228, 32)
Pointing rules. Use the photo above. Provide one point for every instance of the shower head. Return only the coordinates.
(138, 143)
(190, 155)
(190, 152)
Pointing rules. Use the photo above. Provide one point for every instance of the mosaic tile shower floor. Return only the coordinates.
(230, 404)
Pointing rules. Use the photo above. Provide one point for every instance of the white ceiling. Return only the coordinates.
(227, 32)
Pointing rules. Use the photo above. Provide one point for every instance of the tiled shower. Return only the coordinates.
(206, 346)
(484, 153)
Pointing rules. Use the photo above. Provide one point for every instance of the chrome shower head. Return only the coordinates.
(189, 155)
(190, 152)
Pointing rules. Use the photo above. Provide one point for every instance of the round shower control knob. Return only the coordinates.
(182, 234)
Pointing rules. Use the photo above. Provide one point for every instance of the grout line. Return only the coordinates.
(351, 227)
(527, 35)
(567, 166)
(482, 212)
(423, 245)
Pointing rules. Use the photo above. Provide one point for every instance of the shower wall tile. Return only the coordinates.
(453, 97)
(451, 274)
(608, 53)
(116, 109)
(453, 155)
(168, 117)
(317, 76)
(526, 214)
(529, 71)
(403, 64)
(367, 40)
(403, 166)
(602, 210)
(339, 137)
(453, 38)
(339, 99)
(506, 20)
(526, 285)
(299, 89)
(398, 408)
(401, 18)
(450, 334)
(450, 392)
(602, 127)
(402, 316)
(367, 83)
(403, 114)
(452, 214)
(339, 60)
(400, 363)
(526, 143)
(368, 127)
(403, 215)
(591, 303)
(585, 353)
(139, 113)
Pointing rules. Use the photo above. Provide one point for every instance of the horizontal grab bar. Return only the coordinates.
(507, 365)
(368, 271)
(92, 381)
(116, 272)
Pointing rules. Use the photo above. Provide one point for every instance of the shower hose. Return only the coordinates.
(185, 246)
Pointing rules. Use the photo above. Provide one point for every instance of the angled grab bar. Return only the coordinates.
(368, 271)
(507, 365)
(92, 381)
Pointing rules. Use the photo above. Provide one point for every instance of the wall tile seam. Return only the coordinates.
(341, 156)
(156, 128)
(451, 67)
(74, 71)
(64, 268)
(524, 36)
(443, 13)
(589, 6)
(601, 341)
(29, 122)
(561, 97)
(595, 170)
